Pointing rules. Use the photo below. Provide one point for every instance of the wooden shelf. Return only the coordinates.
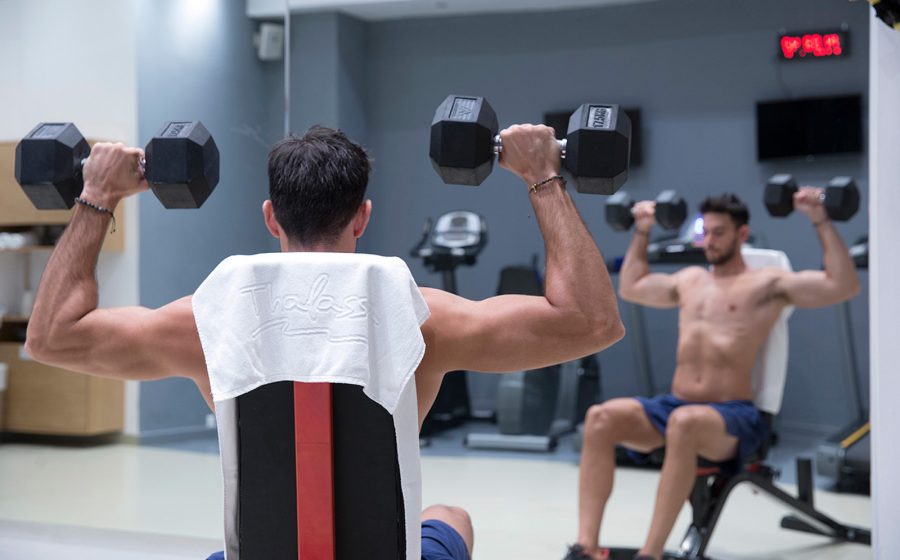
(46, 400)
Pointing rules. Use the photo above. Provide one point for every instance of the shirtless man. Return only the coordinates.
(725, 315)
(317, 202)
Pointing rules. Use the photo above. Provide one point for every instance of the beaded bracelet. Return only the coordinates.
(533, 188)
(100, 209)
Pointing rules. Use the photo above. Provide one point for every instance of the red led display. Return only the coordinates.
(813, 45)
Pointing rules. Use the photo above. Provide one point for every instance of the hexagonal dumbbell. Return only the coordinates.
(464, 141)
(841, 197)
(182, 165)
(671, 210)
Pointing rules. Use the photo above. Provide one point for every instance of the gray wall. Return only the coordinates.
(695, 68)
(328, 73)
(201, 67)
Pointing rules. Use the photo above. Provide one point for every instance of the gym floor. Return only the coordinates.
(123, 502)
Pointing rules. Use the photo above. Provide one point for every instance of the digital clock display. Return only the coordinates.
(796, 46)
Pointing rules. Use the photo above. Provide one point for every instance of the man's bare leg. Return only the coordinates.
(605, 425)
(692, 431)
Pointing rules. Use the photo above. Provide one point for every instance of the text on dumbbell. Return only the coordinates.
(464, 109)
(599, 117)
(175, 129)
(50, 130)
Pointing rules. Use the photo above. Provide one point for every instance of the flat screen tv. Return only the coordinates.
(808, 127)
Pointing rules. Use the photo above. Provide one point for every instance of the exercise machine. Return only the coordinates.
(455, 239)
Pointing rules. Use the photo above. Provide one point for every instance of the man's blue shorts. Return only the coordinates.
(439, 542)
(742, 420)
(442, 542)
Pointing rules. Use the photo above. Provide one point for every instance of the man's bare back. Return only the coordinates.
(722, 323)
(180, 337)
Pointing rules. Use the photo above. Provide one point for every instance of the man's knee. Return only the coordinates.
(456, 517)
(607, 421)
(444, 513)
(685, 425)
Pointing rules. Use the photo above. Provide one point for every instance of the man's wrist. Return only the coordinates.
(532, 178)
(558, 179)
(820, 222)
(640, 231)
(107, 201)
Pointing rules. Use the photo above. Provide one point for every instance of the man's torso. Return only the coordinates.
(722, 324)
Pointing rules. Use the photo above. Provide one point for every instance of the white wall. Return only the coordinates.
(73, 61)
(884, 269)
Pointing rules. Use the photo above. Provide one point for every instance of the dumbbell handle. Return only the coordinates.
(497, 146)
(142, 163)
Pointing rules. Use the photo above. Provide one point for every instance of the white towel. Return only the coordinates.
(313, 317)
(770, 369)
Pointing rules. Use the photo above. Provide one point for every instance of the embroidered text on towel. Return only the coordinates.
(272, 310)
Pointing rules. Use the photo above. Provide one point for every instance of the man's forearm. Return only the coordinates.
(839, 266)
(635, 266)
(68, 287)
(576, 276)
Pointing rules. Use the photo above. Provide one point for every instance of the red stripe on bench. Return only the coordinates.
(315, 472)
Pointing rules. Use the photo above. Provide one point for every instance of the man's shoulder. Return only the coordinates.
(692, 272)
(765, 274)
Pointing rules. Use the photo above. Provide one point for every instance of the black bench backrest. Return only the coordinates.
(368, 501)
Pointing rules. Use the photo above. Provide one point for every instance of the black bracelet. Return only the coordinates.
(100, 209)
(533, 188)
(642, 232)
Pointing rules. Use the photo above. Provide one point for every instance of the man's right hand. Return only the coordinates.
(644, 213)
(111, 173)
(530, 151)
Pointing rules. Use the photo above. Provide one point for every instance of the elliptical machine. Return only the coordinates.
(454, 240)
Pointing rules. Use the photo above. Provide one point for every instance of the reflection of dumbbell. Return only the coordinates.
(182, 165)
(841, 197)
(671, 210)
(464, 141)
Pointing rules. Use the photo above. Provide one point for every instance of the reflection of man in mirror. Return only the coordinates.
(725, 314)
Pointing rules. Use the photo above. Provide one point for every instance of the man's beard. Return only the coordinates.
(722, 258)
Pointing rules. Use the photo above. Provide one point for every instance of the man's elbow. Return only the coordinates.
(35, 347)
(41, 347)
(606, 333)
(853, 290)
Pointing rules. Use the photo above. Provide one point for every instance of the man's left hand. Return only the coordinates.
(809, 201)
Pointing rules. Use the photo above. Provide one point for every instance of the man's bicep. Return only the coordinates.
(807, 288)
(653, 290)
(499, 334)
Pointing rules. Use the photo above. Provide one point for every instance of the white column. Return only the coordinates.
(884, 272)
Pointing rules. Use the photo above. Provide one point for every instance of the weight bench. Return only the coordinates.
(713, 486)
(320, 454)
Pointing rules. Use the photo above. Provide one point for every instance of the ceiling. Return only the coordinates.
(374, 10)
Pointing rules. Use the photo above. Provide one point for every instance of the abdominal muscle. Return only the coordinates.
(715, 361)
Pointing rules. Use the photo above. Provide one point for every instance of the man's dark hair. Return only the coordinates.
(727, 203)
(316, 183)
